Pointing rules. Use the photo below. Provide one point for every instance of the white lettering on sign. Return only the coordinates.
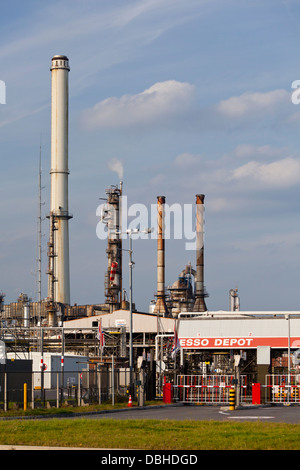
(233, 342)
(215, 342)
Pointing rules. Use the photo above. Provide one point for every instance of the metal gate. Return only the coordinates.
(210, 389)
(282, 388)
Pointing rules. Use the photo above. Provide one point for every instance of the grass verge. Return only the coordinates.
(151, 434)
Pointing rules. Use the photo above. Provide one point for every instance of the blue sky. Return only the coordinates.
(191, 97)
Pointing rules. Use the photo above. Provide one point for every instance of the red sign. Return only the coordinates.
(238, 342)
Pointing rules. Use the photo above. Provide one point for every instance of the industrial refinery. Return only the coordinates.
(178, 341)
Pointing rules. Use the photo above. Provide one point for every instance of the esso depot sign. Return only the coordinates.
(237, 342)
(215, 342)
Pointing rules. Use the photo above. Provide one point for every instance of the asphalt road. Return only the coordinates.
(286, 414)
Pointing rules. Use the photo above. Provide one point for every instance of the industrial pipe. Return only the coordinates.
(161, 306)
(199, 305)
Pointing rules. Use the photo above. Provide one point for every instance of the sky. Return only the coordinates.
(192, 96)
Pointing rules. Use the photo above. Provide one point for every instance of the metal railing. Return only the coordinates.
(282, 388)
(56, 389)
(209, 389)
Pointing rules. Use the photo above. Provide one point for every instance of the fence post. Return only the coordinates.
(99, 382)
(5, 391)
(113, 381)
(57, 389)
(42, 367)
(32, 391)
(79, 391)
(25, 396)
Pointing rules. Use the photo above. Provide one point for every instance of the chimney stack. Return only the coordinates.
(59, 206)
(161, 307)
(199, 305)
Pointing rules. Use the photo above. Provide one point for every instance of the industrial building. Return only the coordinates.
(232, 343)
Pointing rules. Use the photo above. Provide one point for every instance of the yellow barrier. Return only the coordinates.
(232, 399)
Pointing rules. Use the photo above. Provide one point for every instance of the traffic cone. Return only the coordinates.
(129, 402)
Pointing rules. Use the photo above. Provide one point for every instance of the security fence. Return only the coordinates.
(56, 389)
(45, 389)
(208, 389)
(282, 389)
(93, 384)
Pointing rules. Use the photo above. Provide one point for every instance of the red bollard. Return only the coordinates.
(167, 393)
(256, 394)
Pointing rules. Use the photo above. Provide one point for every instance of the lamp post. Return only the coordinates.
(131, 232)
(130, 314)
(289, 356)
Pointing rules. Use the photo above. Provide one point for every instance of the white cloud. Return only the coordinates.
(162, 100)
(279, 174)
(165, 101)
(251, 103)
(230, 186)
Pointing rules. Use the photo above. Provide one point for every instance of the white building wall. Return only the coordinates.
(142, 322)
(239, 331)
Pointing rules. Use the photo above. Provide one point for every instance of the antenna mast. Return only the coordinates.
(39, 240)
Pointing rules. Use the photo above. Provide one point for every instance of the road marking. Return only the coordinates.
(251, 417)
(245, 417)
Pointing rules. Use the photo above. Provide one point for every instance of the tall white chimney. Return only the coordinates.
(59, 206)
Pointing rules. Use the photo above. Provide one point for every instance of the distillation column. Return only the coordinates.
(113, 282)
